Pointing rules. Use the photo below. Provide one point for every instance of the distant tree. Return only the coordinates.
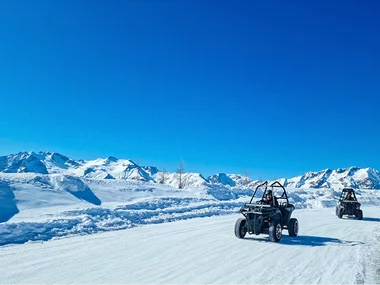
(180, 172)
(245, 177)
(163, 176)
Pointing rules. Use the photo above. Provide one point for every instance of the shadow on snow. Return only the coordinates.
(368, 219)
(8, 207)
(310, 241)
(86, 195)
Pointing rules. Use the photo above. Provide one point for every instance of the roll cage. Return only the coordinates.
(275, 185)
(344, 193)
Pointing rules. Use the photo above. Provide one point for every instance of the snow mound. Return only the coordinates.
(7, 202)
(68, 183)
(74, 186)
(221, 193)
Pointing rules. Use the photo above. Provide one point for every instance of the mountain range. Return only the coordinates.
(124, 169)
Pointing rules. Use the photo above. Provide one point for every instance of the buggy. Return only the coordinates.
(348, 204)
(260, 218)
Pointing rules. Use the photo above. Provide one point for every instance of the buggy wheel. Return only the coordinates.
(340, 213)
(240, 228)
(293, 227)
(359, 215)
(275, 231)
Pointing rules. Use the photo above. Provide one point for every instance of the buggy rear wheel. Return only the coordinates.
(359, 215)
(240, 228)
(275, 231)
(340, 213)
(293, 227)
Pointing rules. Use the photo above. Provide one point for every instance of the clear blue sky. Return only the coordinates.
(275, 87)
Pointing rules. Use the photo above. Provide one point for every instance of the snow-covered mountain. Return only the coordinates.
(124, 169)
(112, 168)
(42, 162)
(55, 163)
(222, 178)
(363, 178)
(233, 180)
(108, 168)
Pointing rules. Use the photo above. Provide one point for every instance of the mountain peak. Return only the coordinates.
(111, 159)
(114, 168)
(353, 176)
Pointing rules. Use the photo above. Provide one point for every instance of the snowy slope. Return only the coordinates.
(205, 251)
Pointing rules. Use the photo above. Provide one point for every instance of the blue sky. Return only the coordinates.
(275, 87)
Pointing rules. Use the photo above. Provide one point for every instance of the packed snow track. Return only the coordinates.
(204, 251)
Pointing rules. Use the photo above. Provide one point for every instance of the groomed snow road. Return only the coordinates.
(204, 251)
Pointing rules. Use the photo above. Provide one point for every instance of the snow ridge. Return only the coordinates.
(124, 169)
(355, 177)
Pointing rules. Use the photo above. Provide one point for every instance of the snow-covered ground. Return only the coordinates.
(40, 207)
(205, 251)
(112, 221)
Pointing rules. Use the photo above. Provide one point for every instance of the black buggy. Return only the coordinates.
(348, 204)
(260, 218)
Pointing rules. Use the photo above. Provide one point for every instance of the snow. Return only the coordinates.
(223, 179)
(7, 202)
(39, 207)
(359, 178)
(189, 179)
(242, 180)
(112, 168)
(204, 251)
(112, 215)
(125, 169)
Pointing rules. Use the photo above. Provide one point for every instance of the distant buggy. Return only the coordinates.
(261, 218)
(348, 204)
